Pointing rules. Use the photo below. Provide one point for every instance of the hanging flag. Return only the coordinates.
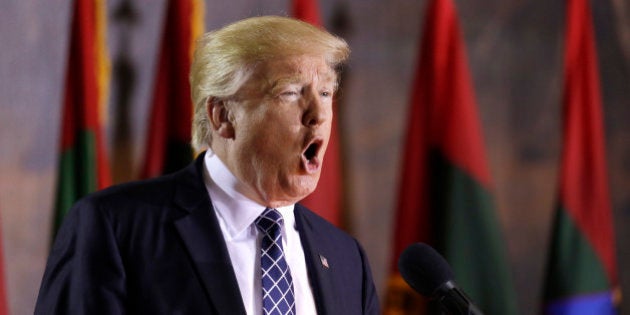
(169, 131)
(445, 190)
(326, 200)
(307, 11)
(582, 272)
(83, 162)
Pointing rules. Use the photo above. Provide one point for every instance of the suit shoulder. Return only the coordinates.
(127, 202)
(150, 191)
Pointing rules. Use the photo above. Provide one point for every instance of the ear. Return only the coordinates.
(219, 116)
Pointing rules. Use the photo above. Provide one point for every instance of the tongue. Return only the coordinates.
(310, 165)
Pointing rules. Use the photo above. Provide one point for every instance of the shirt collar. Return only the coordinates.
(237, 211)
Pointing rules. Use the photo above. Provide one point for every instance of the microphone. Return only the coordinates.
(427, 272)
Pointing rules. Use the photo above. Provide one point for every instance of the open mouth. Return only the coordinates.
(309, 157)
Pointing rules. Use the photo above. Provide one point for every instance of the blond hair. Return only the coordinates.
(224, 59)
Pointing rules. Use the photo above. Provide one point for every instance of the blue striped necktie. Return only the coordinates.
(277, 284)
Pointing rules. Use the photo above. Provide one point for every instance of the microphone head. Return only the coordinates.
(424, 269)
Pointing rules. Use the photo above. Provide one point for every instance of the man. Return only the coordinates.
(200, 241)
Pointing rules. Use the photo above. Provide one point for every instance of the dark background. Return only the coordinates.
(515, 53)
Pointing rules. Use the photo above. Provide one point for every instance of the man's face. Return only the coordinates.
(282, 119)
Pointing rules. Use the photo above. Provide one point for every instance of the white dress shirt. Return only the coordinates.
(236, 214)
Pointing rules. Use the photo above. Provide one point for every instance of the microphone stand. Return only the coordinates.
(454, 301)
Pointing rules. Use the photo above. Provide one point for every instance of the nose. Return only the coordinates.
(316, 110)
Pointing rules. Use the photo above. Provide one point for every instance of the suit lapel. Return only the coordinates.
(320, 270)
(201, 234)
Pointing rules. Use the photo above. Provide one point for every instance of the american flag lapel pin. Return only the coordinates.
(324, 261)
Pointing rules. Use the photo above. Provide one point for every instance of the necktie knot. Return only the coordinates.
(269, 222)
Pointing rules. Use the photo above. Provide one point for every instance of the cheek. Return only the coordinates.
(284, 125)
(268, 133)
(327, 127)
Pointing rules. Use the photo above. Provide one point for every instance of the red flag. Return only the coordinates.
(584, 184)
(582, 270)
(169, 129)
(443, 117)
(326, 200)
(445, 195)
(307, 11)
(83, 163)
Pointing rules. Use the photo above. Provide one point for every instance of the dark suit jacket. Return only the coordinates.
(155, 247)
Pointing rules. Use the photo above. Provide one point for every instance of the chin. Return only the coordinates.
(292, 190)
(308, 185)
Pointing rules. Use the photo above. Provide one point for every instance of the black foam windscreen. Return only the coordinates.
(423, 268)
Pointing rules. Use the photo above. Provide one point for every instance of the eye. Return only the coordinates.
(290, 93)
(326, 94)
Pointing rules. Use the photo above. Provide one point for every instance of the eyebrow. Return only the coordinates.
(273, 86)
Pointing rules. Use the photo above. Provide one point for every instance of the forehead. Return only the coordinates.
(270, 75)
(296, 69)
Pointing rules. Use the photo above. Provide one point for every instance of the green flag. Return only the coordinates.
(83, 165)
(582, 270)
(445, 195)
